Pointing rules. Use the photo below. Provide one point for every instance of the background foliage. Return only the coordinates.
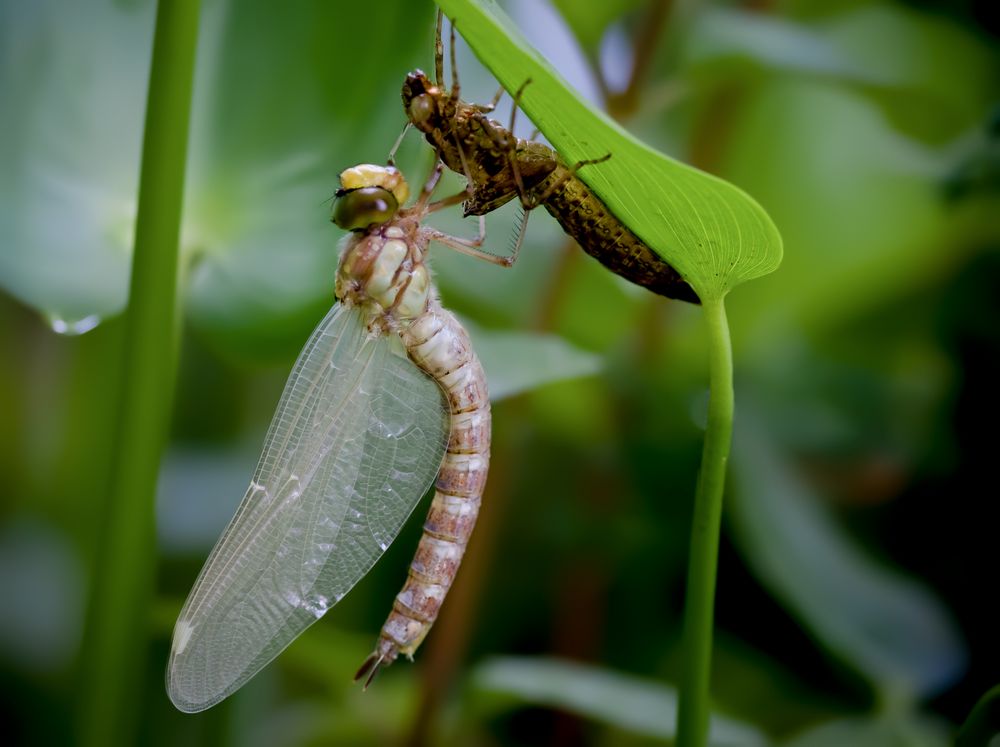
(857, 567)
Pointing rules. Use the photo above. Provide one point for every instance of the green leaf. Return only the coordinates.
(739, 41)
(275, 119)
(865, 207)
(942, 75)
(909, 730)
(889, 627)
(281, 116)
(629, 703)
(504, 354)
(73, 87)
(713, 233)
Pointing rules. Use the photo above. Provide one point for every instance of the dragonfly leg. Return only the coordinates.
(569, 174)
(506, 144)
(454, 96)
(528, 203)
(470, 247)
(454, 67)
(454, 200)
(469, 181)
(447, 201)
(399, 141)
(487, 108)
(439, 51)
(519, 239)
(517, 103)
(429, 186)
(533, 201)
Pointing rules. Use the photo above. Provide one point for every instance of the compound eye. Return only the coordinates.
(357, 209)
(422, 110)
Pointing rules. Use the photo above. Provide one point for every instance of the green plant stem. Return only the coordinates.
(983, 722)
(699, 603)
(115, 642)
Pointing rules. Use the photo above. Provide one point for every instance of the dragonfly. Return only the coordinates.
(500, 166)
(386, 395)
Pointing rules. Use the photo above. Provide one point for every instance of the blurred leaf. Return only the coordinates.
(865, 207)
(199, 490)
(575, 414)
(589, 21)
(889, 627)
(73, 85)
(325, 659)
(327, 654)
(876, 731)
(280, 116)
(41, 585)
(735, 41)
(710, 231)
(516, 362)
(983, 724)
(932, 76)
(976, 170)
(878, 399)
(941, 76)
(765, 687)
(629, 703)
(274, 120)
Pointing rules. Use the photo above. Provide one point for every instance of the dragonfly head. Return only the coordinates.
(368, 195)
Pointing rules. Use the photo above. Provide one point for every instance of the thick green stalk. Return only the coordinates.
(699, 603)
(115, 643)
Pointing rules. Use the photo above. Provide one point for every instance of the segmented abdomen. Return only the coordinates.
(439, 345)
(383, 273)
(585, 217)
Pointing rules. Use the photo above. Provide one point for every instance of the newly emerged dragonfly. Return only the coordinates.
(500, 166)
(386, 394)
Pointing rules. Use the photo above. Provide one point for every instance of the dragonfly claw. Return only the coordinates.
(369, 669)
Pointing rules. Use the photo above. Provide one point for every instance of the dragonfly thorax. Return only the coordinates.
(382, 271)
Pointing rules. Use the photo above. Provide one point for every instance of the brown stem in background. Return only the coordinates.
(580, 591)
(552, 300)
(594, 63)
(712, 133)
(623, 105)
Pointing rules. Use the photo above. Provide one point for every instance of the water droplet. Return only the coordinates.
(73, 327)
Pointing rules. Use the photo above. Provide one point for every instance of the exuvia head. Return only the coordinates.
(419, 100)
(368, 195)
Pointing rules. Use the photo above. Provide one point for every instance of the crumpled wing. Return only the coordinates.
(357, 439)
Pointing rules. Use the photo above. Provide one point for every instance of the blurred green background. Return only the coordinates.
(858, 576)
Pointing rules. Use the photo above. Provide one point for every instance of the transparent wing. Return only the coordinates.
(357, 439)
